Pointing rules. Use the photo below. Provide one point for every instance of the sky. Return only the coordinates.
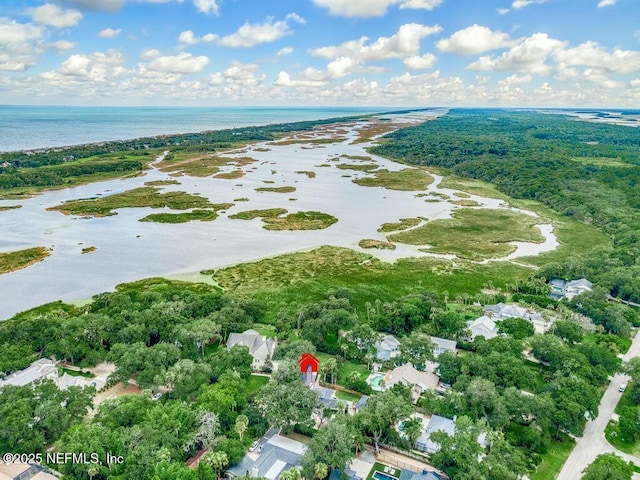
(546, 53)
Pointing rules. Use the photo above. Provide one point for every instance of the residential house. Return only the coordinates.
(440, 424)
(260, 348)
(501, 311)
(24, 471)
(278, 454)
(361, 403)
(408, 375)
(387, 348)
(326, 397)
(482, 327)
(441, 345)
(41, 369)
(569, 289)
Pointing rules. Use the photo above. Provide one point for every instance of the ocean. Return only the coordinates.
(31, 127)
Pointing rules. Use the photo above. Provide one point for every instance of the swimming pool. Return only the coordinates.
(383, 476)
(375, 381)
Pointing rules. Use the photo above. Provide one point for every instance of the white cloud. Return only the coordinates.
(63, 45)
(285, 51)
(183, 63)
(284, 80)
(472, 40)
(150, 53)
(600, 78)
(516, 80)
(423, 62)
(518, 4)
(592, 54)
(252, 34)
(528, 55)
(98, 67)
(188, 38)
(503, 11)
(402, 44)
(207, 6)
(606, 3)
(109, 32)
(240, 74)
(20, 45)
(373, 8)
(53, 16)
(12, 32)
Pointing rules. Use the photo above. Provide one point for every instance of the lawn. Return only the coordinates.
(474, 234)
(409, 179)
(268, 331)
(256, 382)
(347, 397)
(12, 261)
(346, 369)
(553, 460)
(380, 467)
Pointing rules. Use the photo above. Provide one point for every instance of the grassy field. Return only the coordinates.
(371, 243)
(251, 214)
(553, 460)
(86, 250)
(138, 197)
(198, 164)
(4, 208)
(402, 224)
(230, 175)
(409, 179)
(476, 187)
(474, 233)
(160, 183)
(465, 203)
(12, 261)
(277, 219)
(199, 215)
(603, 162)
(256, 382)
(286, 189)
(360, 167)
(307, 173)
(315, 141)
(302, 278)
(346, 369)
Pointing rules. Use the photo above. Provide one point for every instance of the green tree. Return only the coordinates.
(381, 413)
(518, 328)
(413, 429)
(218, 461)
(331, 445)
(285, 401)
(241, 425)
(608, 466)
(416, 349)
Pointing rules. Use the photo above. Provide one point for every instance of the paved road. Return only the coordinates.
(593, 443)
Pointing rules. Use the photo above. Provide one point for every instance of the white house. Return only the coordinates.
(408, 375)
(500, 311)
(387, 348)
(482, 327)
(441, 345)
(440, 424)
(569, 289)
(41, 369)
(260, 348)
(272, 457)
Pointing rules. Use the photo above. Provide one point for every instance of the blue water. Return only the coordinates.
(29, 127)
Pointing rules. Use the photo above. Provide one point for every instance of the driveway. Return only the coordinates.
(593, 443)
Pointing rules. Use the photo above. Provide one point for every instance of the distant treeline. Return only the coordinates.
(583, 170)
(58, 166)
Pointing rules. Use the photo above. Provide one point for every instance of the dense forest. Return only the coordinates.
(587, 171)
